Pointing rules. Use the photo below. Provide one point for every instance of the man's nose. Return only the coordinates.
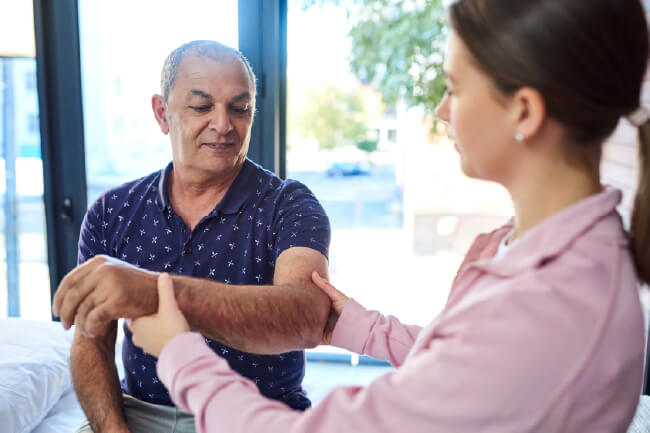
(220, 120)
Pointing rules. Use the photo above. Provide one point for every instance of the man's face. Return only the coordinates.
(208, 115)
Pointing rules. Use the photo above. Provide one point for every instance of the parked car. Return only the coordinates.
(347, 169)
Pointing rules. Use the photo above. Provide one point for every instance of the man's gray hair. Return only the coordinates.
(209, 49)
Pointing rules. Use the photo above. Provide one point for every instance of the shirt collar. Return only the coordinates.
(235, 198)
(553, 235)
(241, 190)
(163, 199)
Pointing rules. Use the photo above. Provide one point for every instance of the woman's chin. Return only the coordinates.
(466, 168)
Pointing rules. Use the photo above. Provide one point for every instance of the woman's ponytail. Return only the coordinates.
(640, 226)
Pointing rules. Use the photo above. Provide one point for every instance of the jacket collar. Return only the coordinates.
(552, 236)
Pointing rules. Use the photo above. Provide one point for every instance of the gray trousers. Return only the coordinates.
(144, 417)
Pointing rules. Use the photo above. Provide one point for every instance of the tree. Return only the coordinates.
(335, 117)
(367, 146)
(397, 47)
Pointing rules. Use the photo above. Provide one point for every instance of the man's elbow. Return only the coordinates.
(317, 321)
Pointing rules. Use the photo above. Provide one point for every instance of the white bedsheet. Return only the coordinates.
(65, 417)
(36, 389)
(34, 371)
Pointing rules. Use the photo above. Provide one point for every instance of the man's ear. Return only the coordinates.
(160, 113)
(529, 112)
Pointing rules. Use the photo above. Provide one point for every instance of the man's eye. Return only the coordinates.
(201, 108)
(241, 110)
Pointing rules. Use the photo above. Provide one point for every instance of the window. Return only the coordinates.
(30, 81)
(402, 212)
(121, 71)
(24, 273)
(392, 136)
(33, 123)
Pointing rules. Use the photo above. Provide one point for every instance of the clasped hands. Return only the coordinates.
(104, 289)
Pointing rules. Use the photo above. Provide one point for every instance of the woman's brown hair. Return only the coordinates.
(587, 58)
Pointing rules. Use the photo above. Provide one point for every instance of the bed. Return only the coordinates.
(36, 392)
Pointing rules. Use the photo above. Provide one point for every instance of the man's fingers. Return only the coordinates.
(97, 320)
(77, 296)
(68, 283)
(166, 296)
(70, 304)
(71, 280)
(82, 311)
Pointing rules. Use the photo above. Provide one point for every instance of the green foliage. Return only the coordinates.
(333, 116)
(397, 47)
(367, 145)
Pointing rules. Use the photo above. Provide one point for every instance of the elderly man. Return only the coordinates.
(240, 242)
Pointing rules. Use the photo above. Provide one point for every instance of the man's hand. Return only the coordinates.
(103, 289)
(338, 302)
(153, 332)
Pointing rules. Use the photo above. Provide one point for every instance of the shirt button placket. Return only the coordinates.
(187, 251)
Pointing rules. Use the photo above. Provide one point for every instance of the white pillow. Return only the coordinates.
(34, 371)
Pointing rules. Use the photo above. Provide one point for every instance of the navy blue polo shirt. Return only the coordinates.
(237, 243)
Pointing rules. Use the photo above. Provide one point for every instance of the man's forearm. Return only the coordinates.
(256, 319)
(95, 380)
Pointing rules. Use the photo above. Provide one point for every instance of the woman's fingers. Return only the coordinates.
(337, 297)
(166, 296)
(325, 286)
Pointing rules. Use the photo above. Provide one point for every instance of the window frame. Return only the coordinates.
(262, 39)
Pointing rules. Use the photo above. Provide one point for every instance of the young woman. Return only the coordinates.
(542, 331)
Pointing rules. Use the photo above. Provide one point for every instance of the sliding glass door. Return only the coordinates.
(123, 46)
(24, 275)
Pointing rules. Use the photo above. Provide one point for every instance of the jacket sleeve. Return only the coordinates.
(474, 372)
(371, 333)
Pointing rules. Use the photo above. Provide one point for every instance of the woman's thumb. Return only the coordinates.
(166, 296)
(331, 291)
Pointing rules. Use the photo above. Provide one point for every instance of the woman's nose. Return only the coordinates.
(442, 110)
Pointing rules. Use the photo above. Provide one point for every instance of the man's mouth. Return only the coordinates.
(219, 146)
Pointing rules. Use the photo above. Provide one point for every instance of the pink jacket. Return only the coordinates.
(546, 338)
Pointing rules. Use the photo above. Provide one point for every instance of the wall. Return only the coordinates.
(620, 158)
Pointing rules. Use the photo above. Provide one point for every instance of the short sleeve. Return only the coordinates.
(91, 237)
(301, 221)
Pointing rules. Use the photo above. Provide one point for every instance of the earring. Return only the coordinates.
(519, 137)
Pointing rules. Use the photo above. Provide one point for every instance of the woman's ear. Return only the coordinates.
(528, 112)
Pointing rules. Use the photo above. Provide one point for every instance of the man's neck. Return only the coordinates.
(194, 195)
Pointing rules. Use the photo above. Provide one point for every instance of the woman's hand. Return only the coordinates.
(152, 333)
(338, 302)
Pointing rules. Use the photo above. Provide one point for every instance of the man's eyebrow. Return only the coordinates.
(201, 93)
(240, 97)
